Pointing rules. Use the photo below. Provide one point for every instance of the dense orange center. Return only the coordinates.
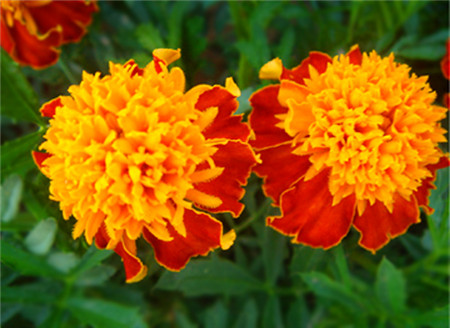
(372, 125)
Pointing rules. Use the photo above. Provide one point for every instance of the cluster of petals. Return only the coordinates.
(32, 30)
(346, 141)
(133, 154)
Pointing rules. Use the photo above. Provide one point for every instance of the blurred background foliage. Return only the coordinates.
(51, 280)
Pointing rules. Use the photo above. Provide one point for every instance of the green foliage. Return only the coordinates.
(50, 280)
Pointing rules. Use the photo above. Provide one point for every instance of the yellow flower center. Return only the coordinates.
(372, 125)
(125, 152)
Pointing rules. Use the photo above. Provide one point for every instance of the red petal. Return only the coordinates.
(377, 226)
(49, 108)
(101, 237)
(262, 118)
(224, 125)
(445, 62)
(280, 169)
(135, 69)
(307, 213)
(30, 50)
(203, 234)
(355, 55)
(134, 269)
(39, 157)
(158, 62)
(73, 17)
(446, 100)
(317, 59)
(238, 159)
(423, 192)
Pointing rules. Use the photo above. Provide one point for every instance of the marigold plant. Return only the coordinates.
(31, 31)
(346, 141)
(132, 154)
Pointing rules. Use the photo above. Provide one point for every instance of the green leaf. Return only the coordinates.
(149, 37)
(323, 286)
(37, 203)
(95, 276)
(431, 52)
(16, 154)
(390, 287)
(41, 238)
(21, 103)
(216, 316)
(11, 194)
(439, 220)
(248, 317)
(273, 248)
(306, 259)
(90, 259)
(272, 317)
(8, 311)
(298, 314)
(26, 263)
(64, 262)
(436, 318)
(341, 264)
(104, 314)
(183, 321)
(209, 277)
(36, 293)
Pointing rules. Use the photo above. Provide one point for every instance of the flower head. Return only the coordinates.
(349, 140)
(132, 154)
(31, 31)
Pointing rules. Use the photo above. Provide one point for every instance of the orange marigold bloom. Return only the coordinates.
(132, 154)
(31, 31)
(349, 140)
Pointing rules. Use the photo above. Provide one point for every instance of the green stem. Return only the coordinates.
(252, 218)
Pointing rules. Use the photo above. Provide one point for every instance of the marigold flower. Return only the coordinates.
(131, 154)
(349, 140)
(31, 31)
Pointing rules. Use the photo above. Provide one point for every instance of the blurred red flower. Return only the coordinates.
(32, 31)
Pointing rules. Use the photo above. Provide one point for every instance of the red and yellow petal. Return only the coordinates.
(72, 16)
(49, 108)
(224, 125)
(126, 249)
(203, 234)
(33, 50)
(39, 158)
(423, 192)
(263, 118)
(134, 269)
(280, 159)
(355, 55)
(377, 226)
(316, 59)
(307, 214)
(237, 159)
